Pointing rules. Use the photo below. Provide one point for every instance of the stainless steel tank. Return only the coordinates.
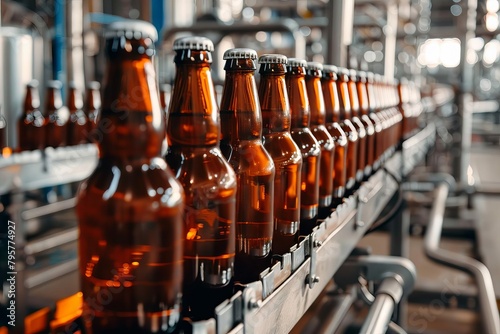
(17, 48)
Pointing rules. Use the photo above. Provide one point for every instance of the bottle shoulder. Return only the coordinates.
(250, 157)
(132, 185)
(282, 148)
(323, 137)
(306, 142)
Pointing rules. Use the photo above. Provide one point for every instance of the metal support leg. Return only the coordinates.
(400, 230)
(489, 310)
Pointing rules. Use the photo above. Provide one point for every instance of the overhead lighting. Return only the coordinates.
(491, 21)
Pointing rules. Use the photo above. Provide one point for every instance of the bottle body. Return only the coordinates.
(77, 122)
(307, 143)
(56, 116)
(241, 144)
(325, 141)
(332, 118)
(286, 155)
(30, 125)
(130, 208)
(209, 182)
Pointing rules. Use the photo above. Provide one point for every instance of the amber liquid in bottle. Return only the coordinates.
(349, 129)
(362, 125)
(285, 153)
(364, 110)
(56, 116)
(77, 123)
(93, 109)
(130, 208)
(30, 126)
(307, 143)
(326, 142)
(332, 115)
(209, 182)
(241, 144)
(373, 103)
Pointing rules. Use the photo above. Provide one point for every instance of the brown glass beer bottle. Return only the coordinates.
(285, 153)
(77, 122)
(364, 111)
(332, 115)
(56, 116)
(130, 208)
(374, 103)
(30, 125)
(241, 144)
(314, 72)
(93, 109)
(209, 182)
(358, 124)
(309, 147)
(348, 127)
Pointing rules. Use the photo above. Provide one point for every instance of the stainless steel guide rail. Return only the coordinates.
(276, 302)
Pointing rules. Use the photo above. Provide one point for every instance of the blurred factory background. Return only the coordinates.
(448, 49)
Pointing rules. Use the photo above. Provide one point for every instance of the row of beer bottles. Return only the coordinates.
(58, 125)
(248, 177)
(286, 155)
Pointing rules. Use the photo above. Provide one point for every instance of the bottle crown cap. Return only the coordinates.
(330, 69)
(94, 85)
(314, 66)
(55, 84)
(240, 53)
(131, 29)
(297, 62)
(273, 59)
(194, 43)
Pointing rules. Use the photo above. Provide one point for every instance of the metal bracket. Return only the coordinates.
(311, 278)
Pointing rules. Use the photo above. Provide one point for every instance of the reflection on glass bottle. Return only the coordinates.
(56, 116)
(130, 208)
(305, 140)
(241, 144)
(209, 182)
(285, 153)
(30, 126)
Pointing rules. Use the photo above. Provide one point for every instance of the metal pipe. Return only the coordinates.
(489, 310)
(379, 316)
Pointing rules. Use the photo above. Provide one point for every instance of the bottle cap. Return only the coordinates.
(240, 53)
(330, 69)
(343, 71)
(314, 66)
(55, 84)
(361, 74)
(296, 62)
(33, 83)
(136, 29)
(93, 85)
(273, 59)
(194, 43)
(352, 75)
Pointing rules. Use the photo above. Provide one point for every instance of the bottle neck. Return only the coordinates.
(193, 114)
(93, 100)
(331, 98)
(53, 101)
(344, 102)
(240, 111)
(353, 98)
(372, 100)
(32, 100)
(75, 100)
(364, 107)
(316, 100)
(274, 103)
(131, 125)
(299, 101)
